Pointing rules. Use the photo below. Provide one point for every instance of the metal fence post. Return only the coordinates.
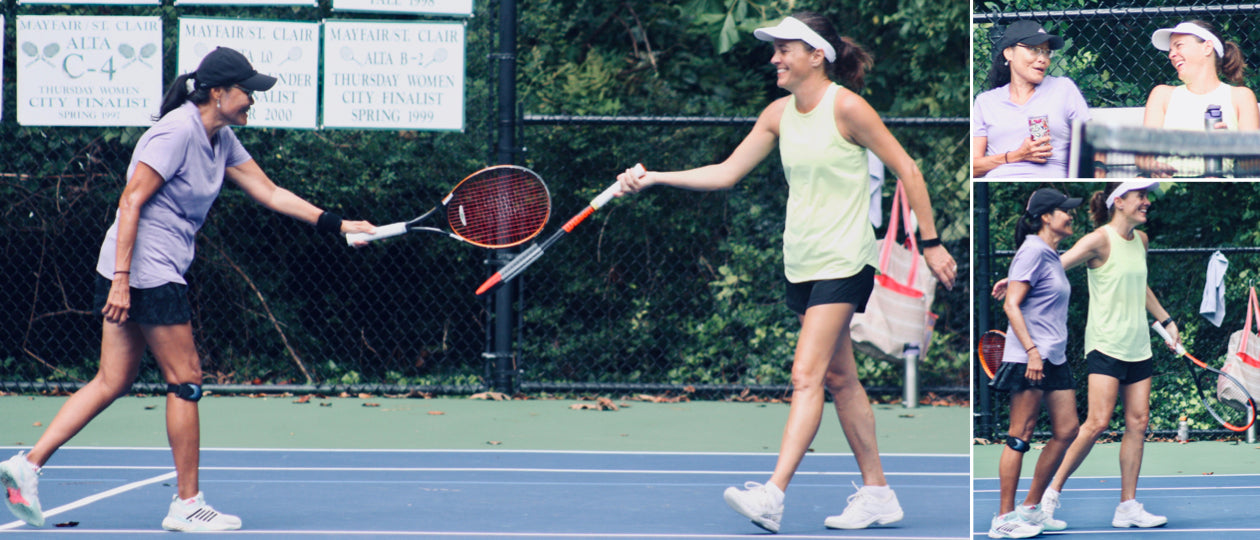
(910, 397)
(502, 357)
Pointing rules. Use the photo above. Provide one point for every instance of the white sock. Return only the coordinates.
(879, 491)
(775, 491)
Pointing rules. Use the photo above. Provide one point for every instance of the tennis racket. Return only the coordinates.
(1230, 404)
(989, 352)
(496, 207)
(527, 257)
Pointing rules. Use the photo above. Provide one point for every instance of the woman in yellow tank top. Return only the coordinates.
(821, 130)
(1117, 341)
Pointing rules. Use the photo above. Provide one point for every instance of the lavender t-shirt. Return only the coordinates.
(1005, 125)
(192, 167)
(1045, 308)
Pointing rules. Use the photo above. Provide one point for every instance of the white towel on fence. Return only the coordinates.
(1212, 307)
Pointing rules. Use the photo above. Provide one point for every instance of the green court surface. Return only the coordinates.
(1158, 459)
(463, 423)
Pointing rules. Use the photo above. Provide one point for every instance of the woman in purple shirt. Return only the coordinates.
(175, 175)
(1021, 126)
(1034, 365)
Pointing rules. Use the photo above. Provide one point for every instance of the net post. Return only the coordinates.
(1251, 433)
(910, 392)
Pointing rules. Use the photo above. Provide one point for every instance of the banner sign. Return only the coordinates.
(108, 2)
(88, 70)
(459, 8)
(311, 3)
(391, 75)
(288, 51)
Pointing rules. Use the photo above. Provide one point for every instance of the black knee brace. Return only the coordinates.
(187, 391)
(1017, 444)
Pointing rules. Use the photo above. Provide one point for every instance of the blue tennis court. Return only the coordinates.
(1197, 506)
(123, 492)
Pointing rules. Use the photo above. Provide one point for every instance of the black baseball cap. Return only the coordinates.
(1047, 200)
(225, 67)
(1026, 32)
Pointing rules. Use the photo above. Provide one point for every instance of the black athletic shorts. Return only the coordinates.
(1010, 378)
(161, 305)
(1126, 372)
(854, 290)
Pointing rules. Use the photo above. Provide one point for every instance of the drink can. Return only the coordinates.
(1039, 126)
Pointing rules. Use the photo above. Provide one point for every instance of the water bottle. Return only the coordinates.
(1212, 166)
(1183, 430)
(1211, 117)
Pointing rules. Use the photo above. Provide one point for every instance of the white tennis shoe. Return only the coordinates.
(865, 508)
(21, 489)
(1037, 516)
(196, 516)
(1010, 525)
(1130, 513)
(763, 504)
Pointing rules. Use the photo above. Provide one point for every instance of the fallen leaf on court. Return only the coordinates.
(325, 404)
(150, 407)
(979, 440)
(905, 416)
(494, 443)
(38, 424)
(371, 404)
(436, 413)
(365, 396)
(1208, 473)
(68, 524)
(496, 396)
(303, 399)
(600, 404)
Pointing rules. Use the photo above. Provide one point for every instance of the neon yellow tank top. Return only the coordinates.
(826, 234)
(1116, 325)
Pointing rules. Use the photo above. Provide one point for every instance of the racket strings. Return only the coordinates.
(499, 207)
(992, 347)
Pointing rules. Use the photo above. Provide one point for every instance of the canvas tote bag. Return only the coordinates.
(1243, 359)
(899, 311)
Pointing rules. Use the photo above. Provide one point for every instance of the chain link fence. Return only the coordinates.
(1108, 51)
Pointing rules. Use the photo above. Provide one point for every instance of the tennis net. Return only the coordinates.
(1110, 151)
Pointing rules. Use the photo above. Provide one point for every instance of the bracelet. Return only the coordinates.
(1006, 156)
(328, 222)
(1030, 348)
(1166, 322)
(930, 243)
(116, 272)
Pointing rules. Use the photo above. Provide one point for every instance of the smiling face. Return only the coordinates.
(1187, 52)
(1058, 222)
(233, 105)
(1028, 62)
(794, 62)
(1134, 206)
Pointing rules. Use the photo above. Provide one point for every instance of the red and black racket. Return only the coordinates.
(527, 257)
(1230, 403)
(496, 207)
(989, 351)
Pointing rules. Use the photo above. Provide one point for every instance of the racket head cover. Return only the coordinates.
(499, 207)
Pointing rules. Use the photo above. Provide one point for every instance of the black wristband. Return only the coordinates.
(1166, 322)
(930, 242)
(328, 223)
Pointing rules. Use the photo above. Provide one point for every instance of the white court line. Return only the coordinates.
(481, 469)
(452, 534)
(1144, 489)
(1235, 475)
(93, 498)
(488, 451)
(1143, 532)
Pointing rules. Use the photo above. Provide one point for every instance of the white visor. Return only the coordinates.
(1127, 187)
(1162, 38)
(793, 28)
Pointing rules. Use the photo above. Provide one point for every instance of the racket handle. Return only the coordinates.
(615, 188)
(1159, 329)
(384, 231)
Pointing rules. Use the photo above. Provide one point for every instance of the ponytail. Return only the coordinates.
(852, 61)
(1026, 225)
(1232, 65)
(1098, 210)
(179, 92)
